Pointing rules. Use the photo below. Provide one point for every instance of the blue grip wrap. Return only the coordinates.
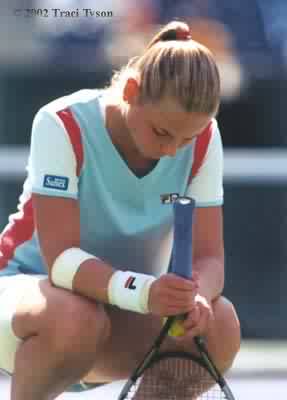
(183, 209)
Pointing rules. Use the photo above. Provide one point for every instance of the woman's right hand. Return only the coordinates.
(172, 295)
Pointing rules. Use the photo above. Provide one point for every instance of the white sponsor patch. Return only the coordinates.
(56, 182)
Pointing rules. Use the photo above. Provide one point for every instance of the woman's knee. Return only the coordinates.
(80, 324)
(66, 320)
(227, 319)
(226, 331)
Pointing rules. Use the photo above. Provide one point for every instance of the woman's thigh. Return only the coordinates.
(30, 305)
(26, 300)
(13, 290)
(131, 336)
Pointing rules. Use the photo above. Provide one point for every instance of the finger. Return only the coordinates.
(174, 309)
(181, 307)
(193, 319)
(202, 325)
(171, 295)
(194, 330)
(177, 282)
(182, 298)
(195, 276)
(174, 290)
(171, 310)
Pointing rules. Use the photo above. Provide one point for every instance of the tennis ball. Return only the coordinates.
(176, 329)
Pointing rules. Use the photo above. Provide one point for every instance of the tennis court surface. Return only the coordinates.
(259, 372)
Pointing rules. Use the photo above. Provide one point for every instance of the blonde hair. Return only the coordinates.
(175, 65)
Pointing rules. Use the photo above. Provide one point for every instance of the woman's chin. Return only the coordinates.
(155, 159)
(154, 156)
(151, 157)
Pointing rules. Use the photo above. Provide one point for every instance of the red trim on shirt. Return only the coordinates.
(19, 230)
(74, 133)
(200, 150)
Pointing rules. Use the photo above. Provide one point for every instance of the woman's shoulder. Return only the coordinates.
(83, 96)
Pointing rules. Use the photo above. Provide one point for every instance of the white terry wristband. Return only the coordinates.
(130, 290)
(66, 266)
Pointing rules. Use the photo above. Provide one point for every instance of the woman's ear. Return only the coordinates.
(131, 91)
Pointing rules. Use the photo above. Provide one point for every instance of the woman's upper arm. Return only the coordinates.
(208, 233)
(206, 187)
(58, 225)
(54, 179)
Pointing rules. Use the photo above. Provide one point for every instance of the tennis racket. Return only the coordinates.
(177, 375)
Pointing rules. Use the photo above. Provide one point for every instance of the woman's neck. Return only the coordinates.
(121, 139)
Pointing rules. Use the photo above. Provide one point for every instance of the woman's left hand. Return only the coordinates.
(198, 320)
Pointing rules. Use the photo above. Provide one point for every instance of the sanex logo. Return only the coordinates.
(56, 182)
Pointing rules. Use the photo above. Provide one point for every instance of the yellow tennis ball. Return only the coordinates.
(176, 329)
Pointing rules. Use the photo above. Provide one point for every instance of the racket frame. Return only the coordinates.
(152, 356)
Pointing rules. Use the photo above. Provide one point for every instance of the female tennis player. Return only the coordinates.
(84, 282)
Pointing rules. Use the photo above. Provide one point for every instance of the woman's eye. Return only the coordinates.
(159, 133)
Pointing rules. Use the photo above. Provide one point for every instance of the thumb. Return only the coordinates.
(195, 276)
(192, 319)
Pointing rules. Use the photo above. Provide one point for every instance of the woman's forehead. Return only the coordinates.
(169, 115)
(168, 104)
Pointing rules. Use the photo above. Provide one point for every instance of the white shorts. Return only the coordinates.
(12, 291)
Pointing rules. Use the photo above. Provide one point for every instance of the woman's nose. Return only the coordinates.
(170, 149)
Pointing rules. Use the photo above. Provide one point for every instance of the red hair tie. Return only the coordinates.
(182, 34)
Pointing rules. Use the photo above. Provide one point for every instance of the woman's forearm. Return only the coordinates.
(211, 276)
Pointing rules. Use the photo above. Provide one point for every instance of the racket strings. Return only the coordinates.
(176, 379)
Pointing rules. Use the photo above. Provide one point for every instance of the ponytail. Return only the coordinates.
(174, 64)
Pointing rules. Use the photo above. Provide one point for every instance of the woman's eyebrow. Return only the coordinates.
(171, 135)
